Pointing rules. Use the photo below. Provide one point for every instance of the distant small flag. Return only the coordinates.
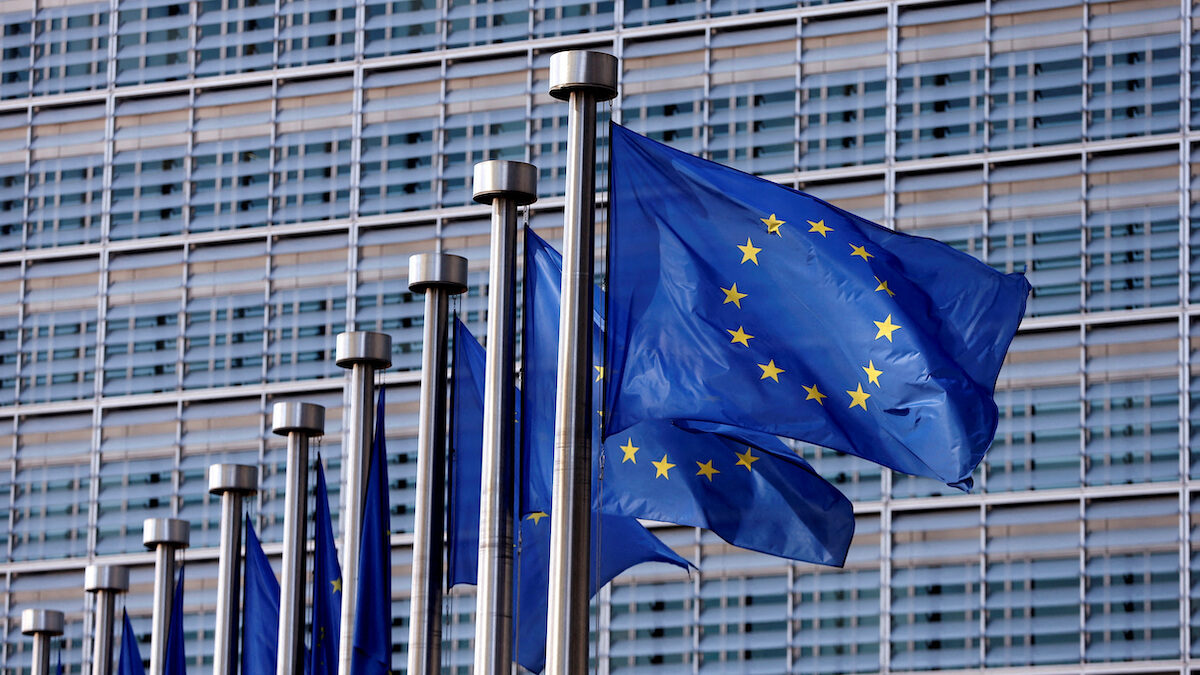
(130, 660)
(260, 610)
(59, 670)
(176, 661)
(373, 619)
(327, 588)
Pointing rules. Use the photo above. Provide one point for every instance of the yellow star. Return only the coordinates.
(662, 467)
(872, 373)
(337, 585)
(732, 295)
(746, 459)
(769, 370)
(707, 470)
(886, 328)
(884, 287)
(749, 252)
(740, 335)
(536, 517)
(773, 225)
(820, 227)
(814, 394)
(630, 451)
(599, 372)
(860, 251)
(858, 397)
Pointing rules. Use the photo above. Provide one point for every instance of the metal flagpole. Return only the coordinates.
(165, 536)
(506, 185)
(362, 353)
(582, 79)
(106, 581)
(438, 276)
(297, 421)
(42, 624)
(233, 482)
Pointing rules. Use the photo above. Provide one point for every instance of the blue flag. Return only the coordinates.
(737, 301)
(465, 476)
(746, 487)
(373, 619)
(59, 669)
(327, 588)
(176, 661)
(622, 542)
(260, 610)
(130, 660)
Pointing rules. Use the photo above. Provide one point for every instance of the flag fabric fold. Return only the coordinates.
(327, 587)
(260, 610)
(618, 542)
(747, 487)
(176, 659)
(130, 660)
(734, 300)
(373, 619)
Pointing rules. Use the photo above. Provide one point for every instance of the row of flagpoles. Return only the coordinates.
(581, 79)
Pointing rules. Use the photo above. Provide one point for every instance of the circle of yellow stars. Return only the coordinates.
(772, 371)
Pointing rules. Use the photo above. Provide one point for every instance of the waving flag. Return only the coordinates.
(737, 301)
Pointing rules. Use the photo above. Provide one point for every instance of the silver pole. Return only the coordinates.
(363, 353)
(298, 421)
(438, 276)
(106, 581)
(42, 624)
(165, 536)
(506, 185)
(582, 79)
(233, 482)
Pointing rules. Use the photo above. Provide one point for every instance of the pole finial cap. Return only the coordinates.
(303, 418)
(106, 578)
(362, 346)
(232, 478)
(578, 70)
(498, 178)
(44, 621)
(169, 531)
(437, 270)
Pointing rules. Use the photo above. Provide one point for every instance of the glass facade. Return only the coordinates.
(197, 196)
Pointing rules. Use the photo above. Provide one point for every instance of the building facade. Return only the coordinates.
(196, 196)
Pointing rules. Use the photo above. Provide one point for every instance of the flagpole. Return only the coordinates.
(582, 79)
(505, 185)
(165, 536)
(362, 353)
(438, 276)
(297, 421)
(106, 581)
(232, 482)
(42, 624)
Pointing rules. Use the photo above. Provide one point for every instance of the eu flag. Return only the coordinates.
(737, 301)
(466, 436)
(619, 542)
(130, 660)
(327, 588)
(260, 610)
(373, 619)
(746, 487)
(176, 661)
